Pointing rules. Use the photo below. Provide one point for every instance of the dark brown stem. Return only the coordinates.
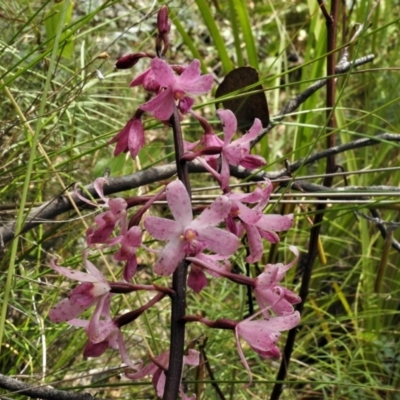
(331, 24)
(178, 306)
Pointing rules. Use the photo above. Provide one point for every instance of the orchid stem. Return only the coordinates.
(178, 306)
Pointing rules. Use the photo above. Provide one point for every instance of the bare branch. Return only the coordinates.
(15, 386)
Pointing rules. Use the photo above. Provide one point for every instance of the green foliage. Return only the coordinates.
(57, 116)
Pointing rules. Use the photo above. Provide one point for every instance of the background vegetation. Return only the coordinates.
(57, 115)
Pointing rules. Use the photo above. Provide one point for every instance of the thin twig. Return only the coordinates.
(15, 386)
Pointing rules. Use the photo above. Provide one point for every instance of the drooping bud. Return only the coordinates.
(128, 61)
(163, 23)
(163, 27)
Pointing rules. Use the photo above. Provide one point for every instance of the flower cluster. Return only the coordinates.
(206, 240)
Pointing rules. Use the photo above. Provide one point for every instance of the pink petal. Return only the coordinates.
(193, 358)
(162, 228)
(134, 236)
(202, 85)
(235, 154)
(197, 280)
(282, 323)
(99, 235)
(95, 349)
(163, 73)
(122, 141)
(284, 268)
(275, 222)
(219, 241)
(65, 310)
(252, 162)
(124, 353)
(248, 215)
(229, 123)
(269, 277)
(282, 307)
(149, 369)
(98, 330)
(159, 380)
(140, 78)
(255, 243)
(266, 193)
(291, 297)
(135, 137)
(191, 73)
(268, 235)
(185, 104)
(92, 269)
(254, 131)
(81, 323)
(225, 171)
(214, 214)
(179, 203)
(169, 257)
(161, 106)
(73, 274)
(130, 268)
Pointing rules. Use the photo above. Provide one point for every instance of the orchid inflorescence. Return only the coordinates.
(206, 241)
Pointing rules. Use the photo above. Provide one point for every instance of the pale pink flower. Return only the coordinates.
(176, 87)
(130, 138)
(237, 152)
(252, 220)
(263, 335)
(106, 222)
(187, 236)
(94, 289)
(130, 241)
(108, 335)
(265, 228)
(269, 294)
(157, 370)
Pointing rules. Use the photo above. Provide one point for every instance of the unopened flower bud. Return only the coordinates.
(129, 60)
(163, 23)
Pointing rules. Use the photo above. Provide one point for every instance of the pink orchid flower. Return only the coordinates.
(187, 236)
(94, 289)
(159, 366)
(237, 152)
(175, 88)
(262, 335)
(106, 221)
(252, 220)
(131, 137)
(104, 334)
(268, 292)
(130, 242)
